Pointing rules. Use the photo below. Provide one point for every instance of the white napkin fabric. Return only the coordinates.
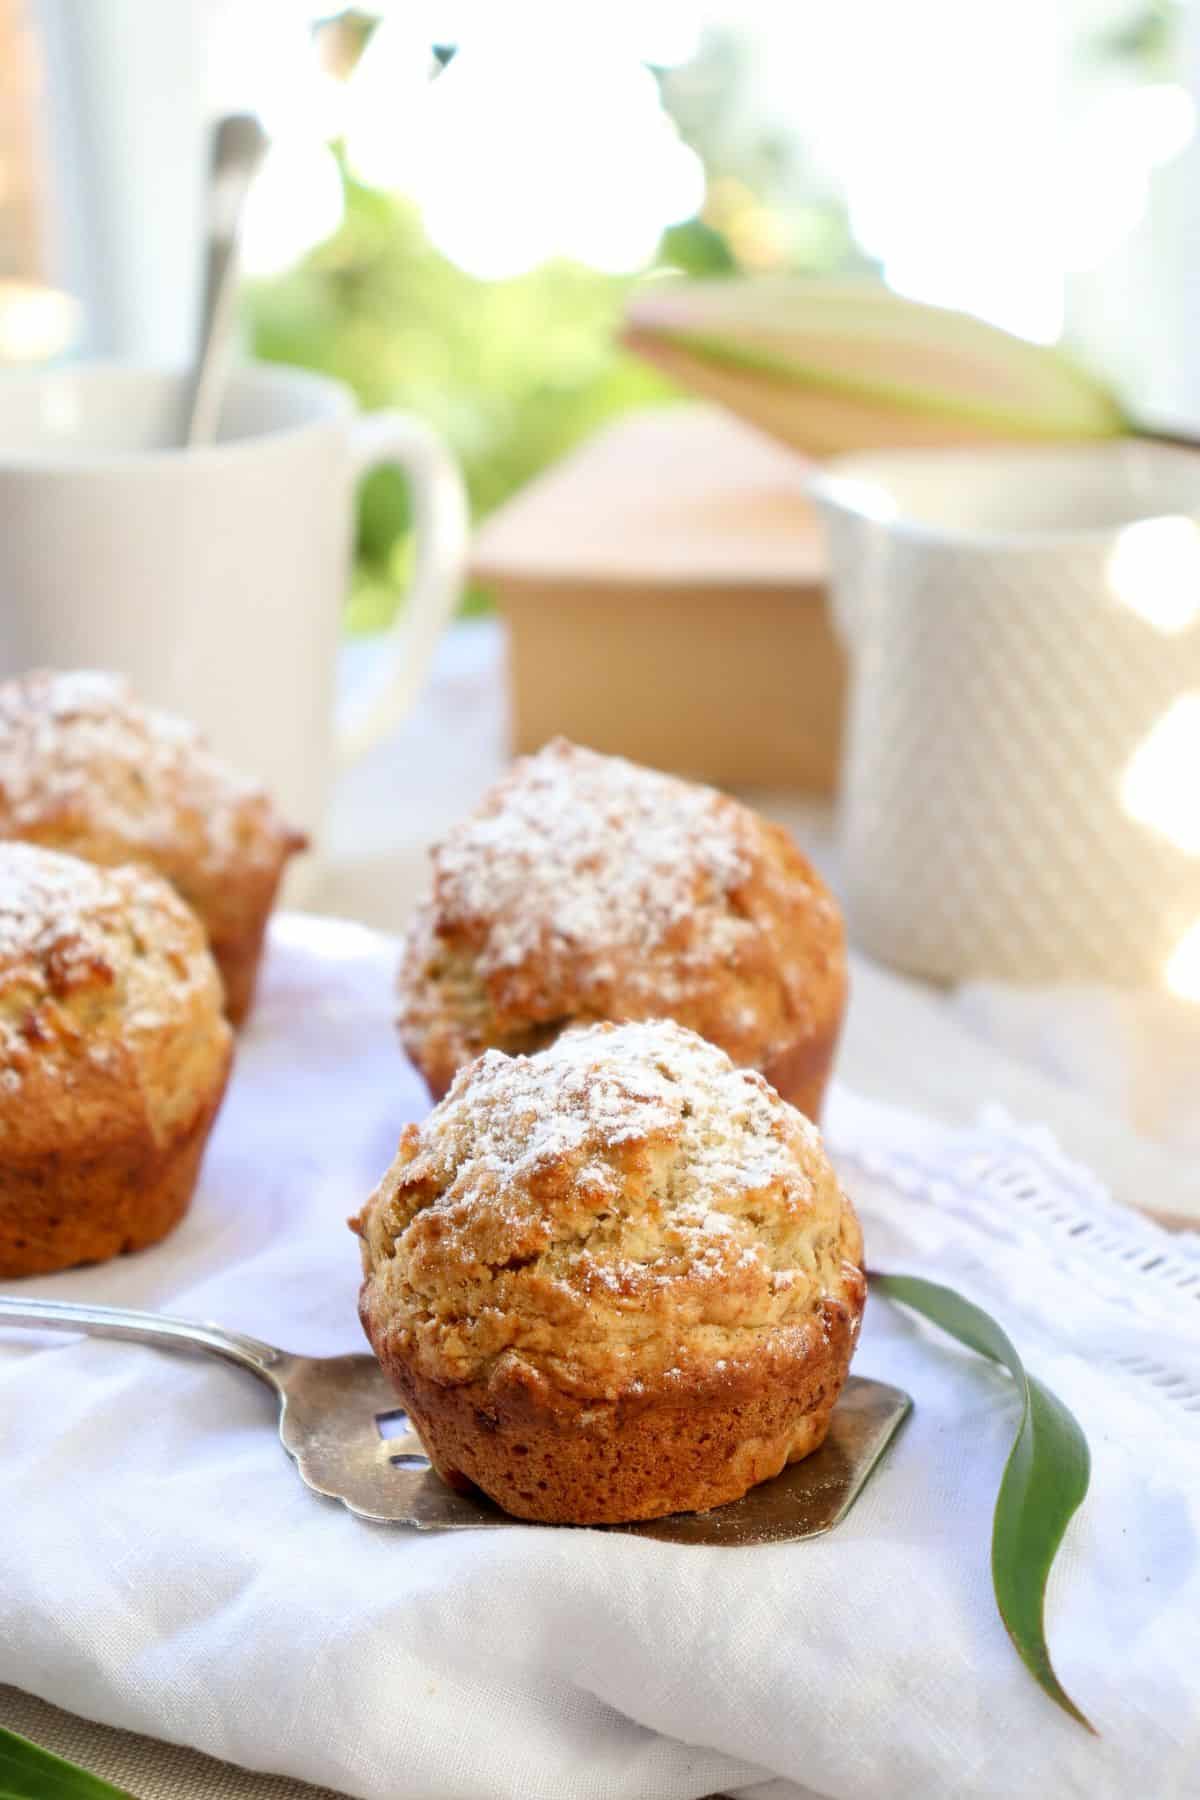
(163, 1569)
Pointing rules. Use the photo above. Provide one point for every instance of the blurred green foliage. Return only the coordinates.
(1146, 40)
(514, 373)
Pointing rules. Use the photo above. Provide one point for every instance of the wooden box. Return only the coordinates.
(664, 594)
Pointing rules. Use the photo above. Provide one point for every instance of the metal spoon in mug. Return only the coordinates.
(239, 144)
(340, 1421)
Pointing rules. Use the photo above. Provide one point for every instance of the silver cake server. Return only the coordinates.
(340, 1421)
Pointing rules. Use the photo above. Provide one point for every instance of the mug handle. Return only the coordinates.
(442, 523)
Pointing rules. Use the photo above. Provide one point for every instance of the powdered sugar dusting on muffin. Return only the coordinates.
(586, 888)
(603, 1088)
(77, 748)
(52, 905)
(575, 851)
(67, 927)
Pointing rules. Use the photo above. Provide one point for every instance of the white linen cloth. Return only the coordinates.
(163, 1569)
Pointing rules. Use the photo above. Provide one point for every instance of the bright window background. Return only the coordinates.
(460, 194)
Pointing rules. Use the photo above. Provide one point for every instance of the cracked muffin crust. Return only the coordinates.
(587, 888)
(613, 1280)
(113, 1058)
(85, 768)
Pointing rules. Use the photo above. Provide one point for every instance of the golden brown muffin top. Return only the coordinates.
(110, 1005)
(625, 1211)
(85, 767)
(587, 887)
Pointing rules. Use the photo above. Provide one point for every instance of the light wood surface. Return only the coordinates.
(680, 496)
(664, 593)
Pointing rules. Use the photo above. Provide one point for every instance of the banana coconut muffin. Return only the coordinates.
(613, 1280)
(113, 1058)
(84, 767)
(587, 888)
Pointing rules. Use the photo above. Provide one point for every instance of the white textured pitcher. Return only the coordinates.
(1021, 775)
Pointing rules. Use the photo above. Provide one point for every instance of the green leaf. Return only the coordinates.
(27, 1772)
(1044, 1481)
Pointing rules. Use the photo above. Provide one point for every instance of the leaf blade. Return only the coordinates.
(28, 1772)
(1044, 1482)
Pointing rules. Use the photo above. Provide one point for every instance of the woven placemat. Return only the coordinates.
(148, 1769)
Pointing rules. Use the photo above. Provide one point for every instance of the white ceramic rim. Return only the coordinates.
(332, 403)
(838, 486)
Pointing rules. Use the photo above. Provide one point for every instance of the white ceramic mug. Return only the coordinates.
(215, 578)
(1021, 773)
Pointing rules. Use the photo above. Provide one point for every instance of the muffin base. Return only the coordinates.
(238, 959)
(237, 952)
(64, 1209)
(236, 934)
(575, 1463)
(800, 1074)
